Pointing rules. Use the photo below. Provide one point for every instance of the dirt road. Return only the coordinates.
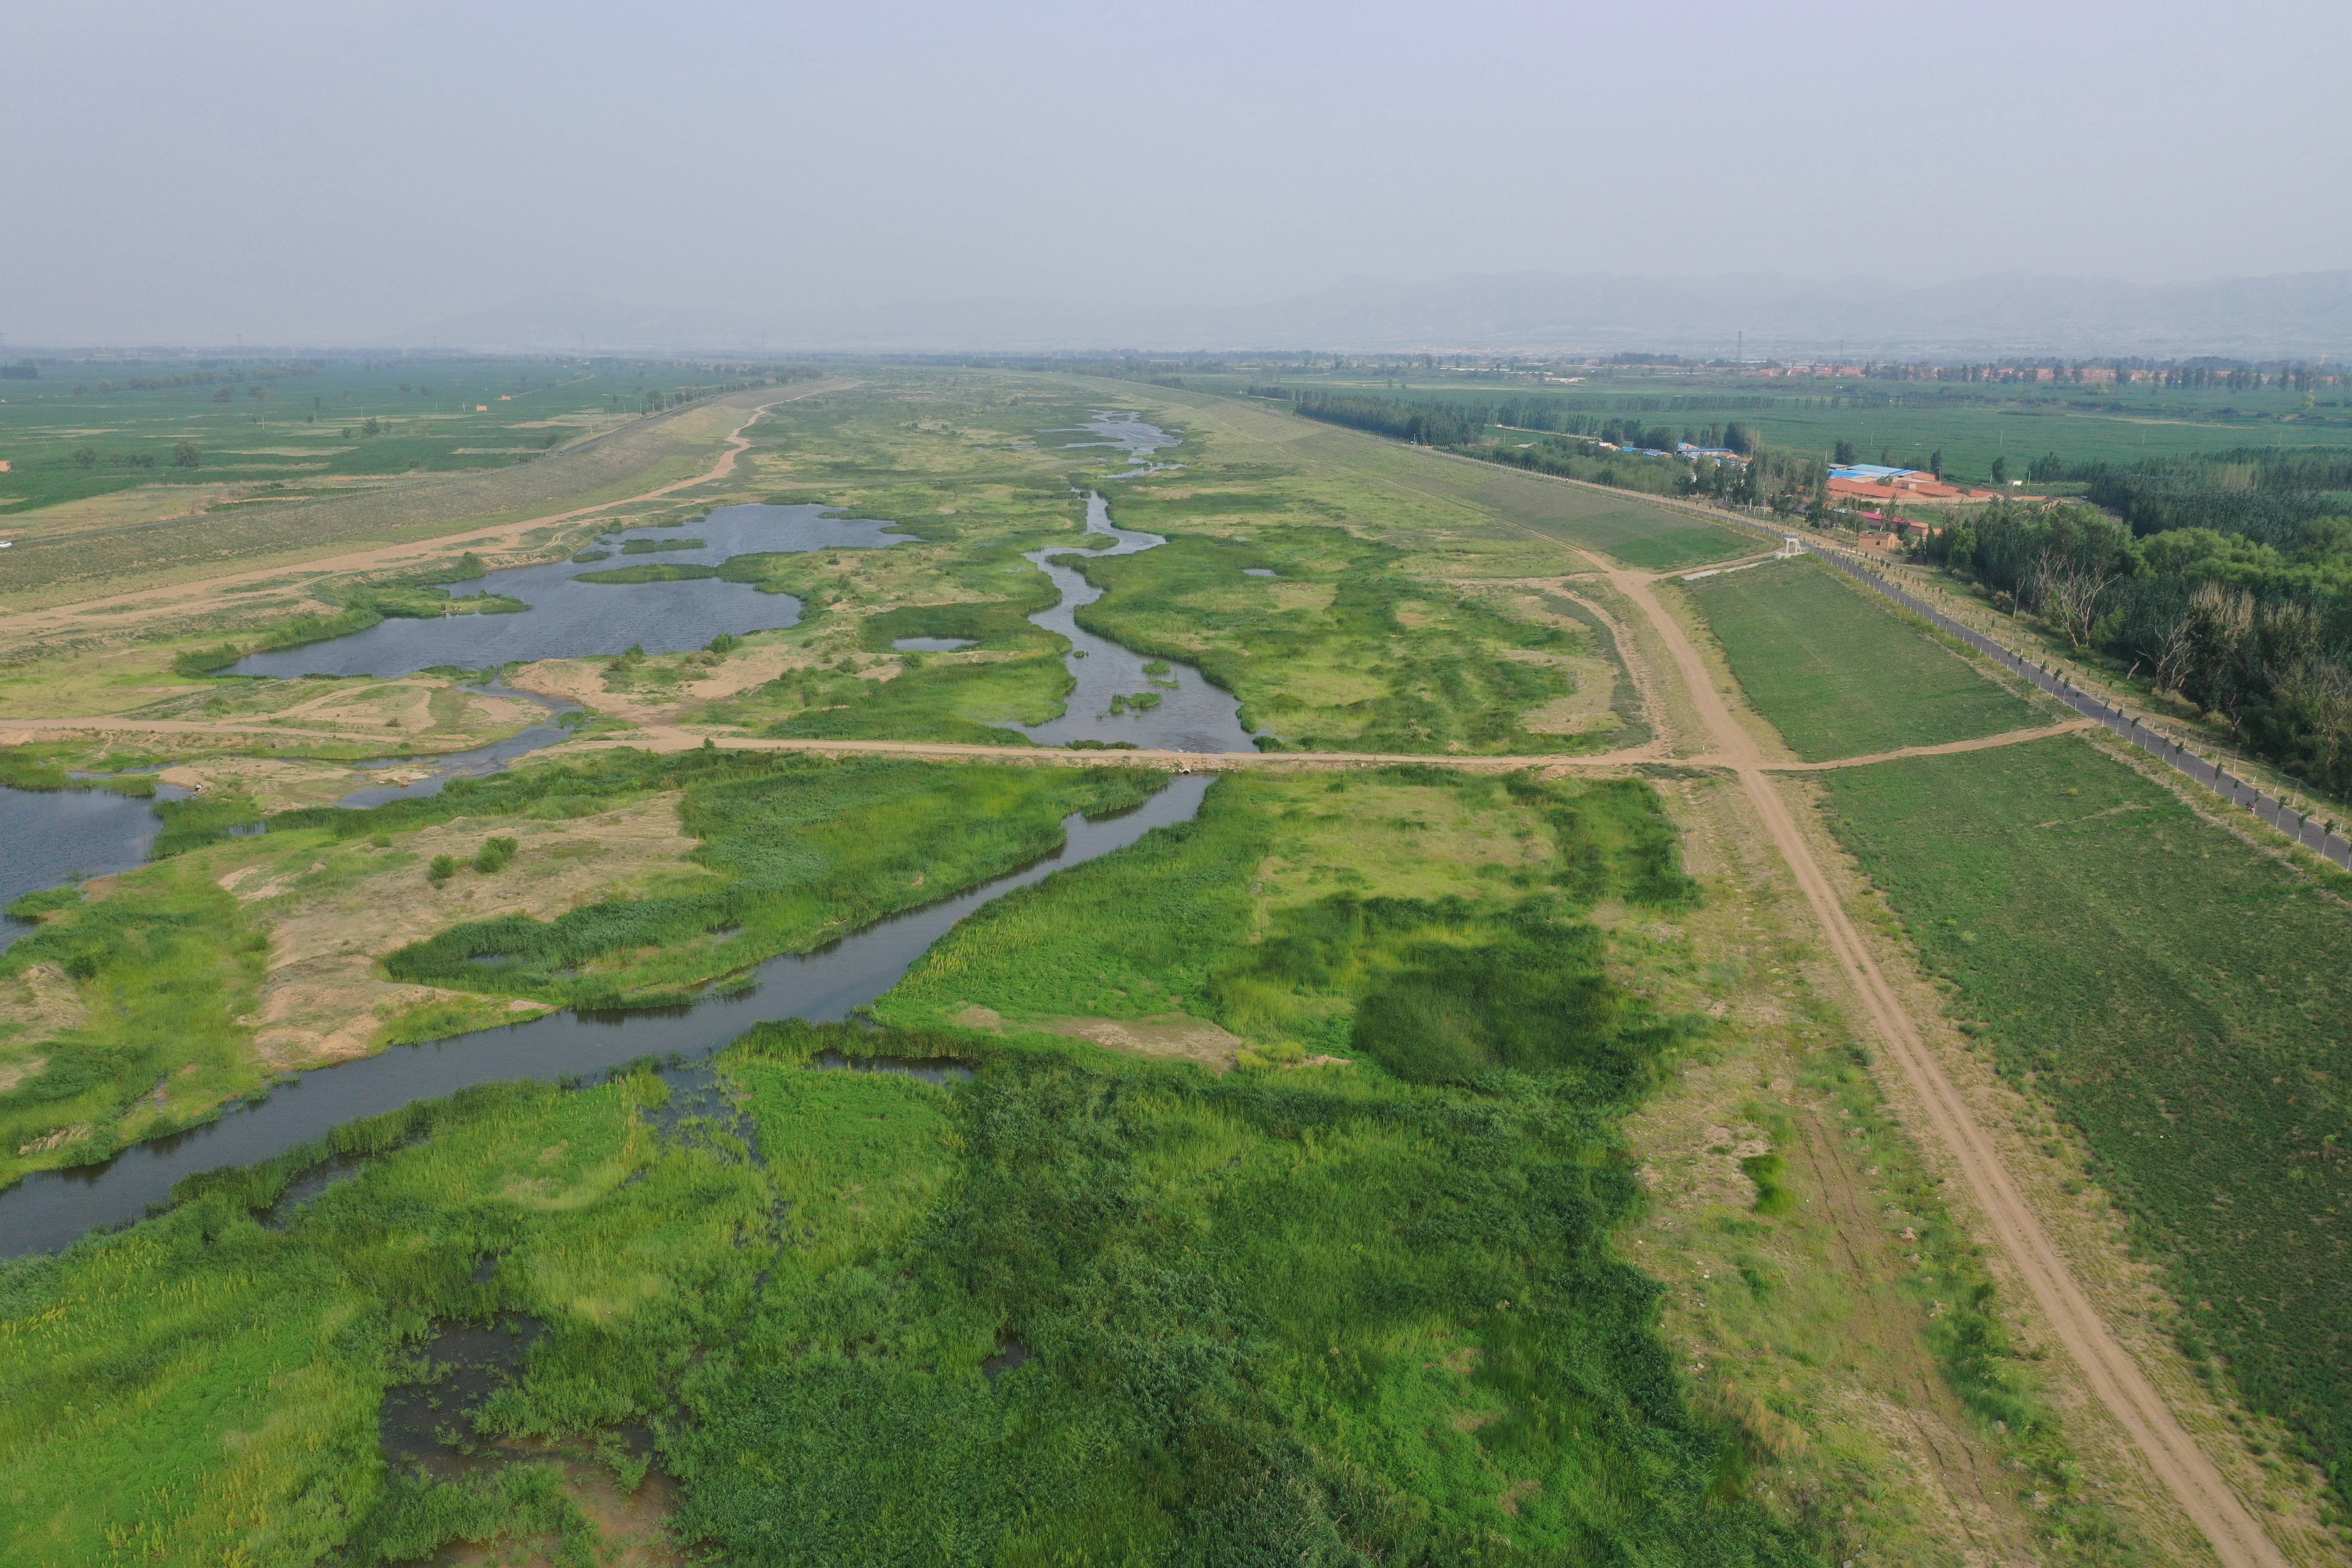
(185, 597)
(667, 738)
(2117, 1379)
(1944, 748)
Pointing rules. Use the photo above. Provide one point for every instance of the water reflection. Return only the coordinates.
(571, 620)
(48, 1209)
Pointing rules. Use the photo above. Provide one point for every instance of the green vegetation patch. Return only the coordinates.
(656, 572)
(1067, 1310)
(52, 766)
(1341, 650)
(801, 849)
(965, 703)
(1840, 674)
(2178, 997)
(1677, 547)
(654, 546)
(1230, 918)
(155, 975)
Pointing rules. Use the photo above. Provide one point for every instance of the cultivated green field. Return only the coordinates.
(2178, 999)
(1838, 672)
(1894, 421)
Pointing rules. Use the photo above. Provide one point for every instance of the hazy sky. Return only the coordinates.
(324, 172)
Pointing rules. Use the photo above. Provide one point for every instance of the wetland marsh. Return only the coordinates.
(1240, 1170)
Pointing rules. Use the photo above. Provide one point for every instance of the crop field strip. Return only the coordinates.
(1839, 673)
(2173, 995)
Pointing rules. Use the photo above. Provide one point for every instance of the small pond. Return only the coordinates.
(49, 836)
(571, 620)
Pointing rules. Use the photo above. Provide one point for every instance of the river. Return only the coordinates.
(1191, 715)
(49, 1209)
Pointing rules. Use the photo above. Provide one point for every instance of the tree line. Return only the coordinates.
(2272, 494)
(2255, 630)
(1458, 422)
(1789, 483)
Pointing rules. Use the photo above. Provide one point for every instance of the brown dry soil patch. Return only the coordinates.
(325, 999)
(1168, 1036)
(1797, 1327)
(632, 1525)
(587, 681)
(38, 1004)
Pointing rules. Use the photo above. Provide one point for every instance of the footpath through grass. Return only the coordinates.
(2181, 1000)
(1838, 672)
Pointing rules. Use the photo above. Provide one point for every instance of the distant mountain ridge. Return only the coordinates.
(2292, 315)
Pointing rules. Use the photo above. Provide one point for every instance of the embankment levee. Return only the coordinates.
(605, 469)
(2315, 835)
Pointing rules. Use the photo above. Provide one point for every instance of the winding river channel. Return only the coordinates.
(50, 1209)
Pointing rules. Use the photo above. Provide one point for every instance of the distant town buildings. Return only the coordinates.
(1877, 482)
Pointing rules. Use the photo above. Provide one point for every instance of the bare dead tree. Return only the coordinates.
(2176, 651)
(2067, 593)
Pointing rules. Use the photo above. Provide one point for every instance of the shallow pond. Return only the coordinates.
(50, 1209)
(51, 837)
(571, 620)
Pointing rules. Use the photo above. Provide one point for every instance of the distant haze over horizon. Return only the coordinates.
(2098, 178)
(2299, 316)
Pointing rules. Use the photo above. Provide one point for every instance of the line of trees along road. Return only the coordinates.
(1788, 482)
(2258, 632)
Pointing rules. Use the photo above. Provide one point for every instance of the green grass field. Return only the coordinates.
(1635, 531)
(84, 430)
(164, 972)
(178, 524)
(1900, 422)
(2178, 999)
(1082, 1310)
(1840, 674)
